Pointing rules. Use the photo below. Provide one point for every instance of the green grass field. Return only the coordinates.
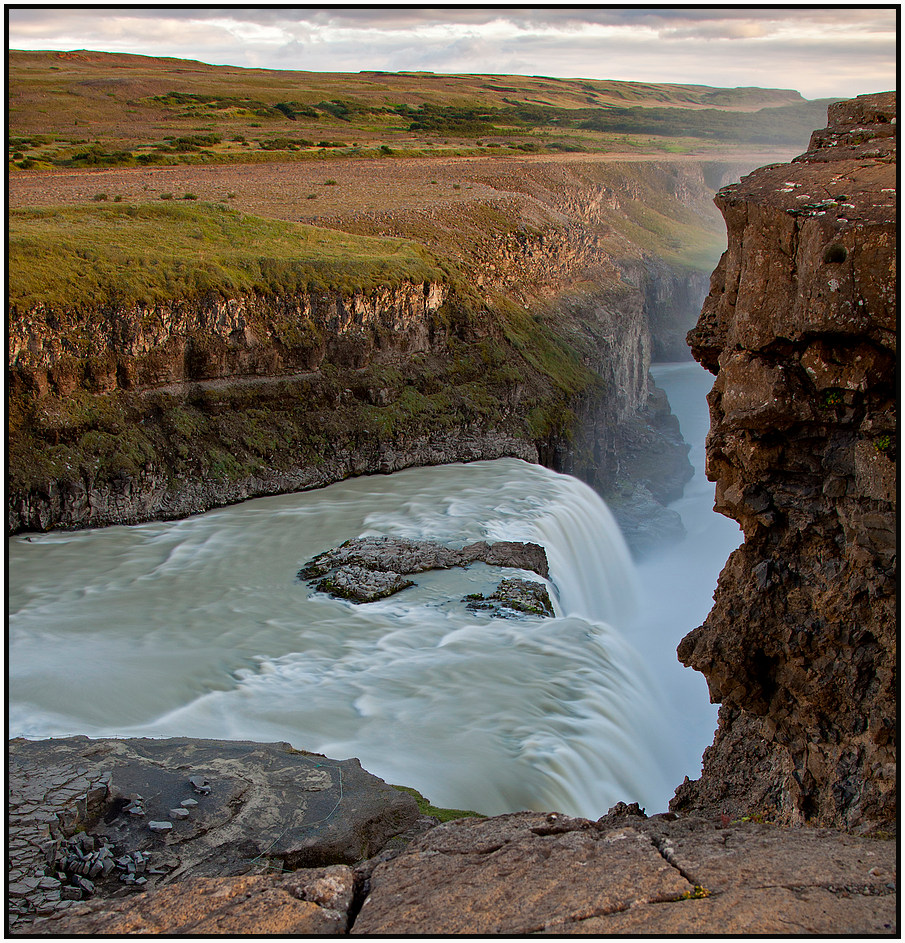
(93, 256)
(93, 109)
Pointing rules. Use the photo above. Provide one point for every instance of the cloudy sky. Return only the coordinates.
(821, 50)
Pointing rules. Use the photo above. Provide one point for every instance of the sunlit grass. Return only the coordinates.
(98, 255)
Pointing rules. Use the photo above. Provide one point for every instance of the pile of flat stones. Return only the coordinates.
(82, 860)
(53, 862)
(44, 802)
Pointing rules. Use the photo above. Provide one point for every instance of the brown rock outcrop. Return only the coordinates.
(800, 330)
(534, 873)
(313, 902)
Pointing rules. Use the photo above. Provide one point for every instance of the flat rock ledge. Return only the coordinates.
(371, 568)
(522, 873)
(109, 818)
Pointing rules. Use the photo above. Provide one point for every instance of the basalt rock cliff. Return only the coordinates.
(538, 348)
(800, 330)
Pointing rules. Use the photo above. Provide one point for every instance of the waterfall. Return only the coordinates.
(200, 628)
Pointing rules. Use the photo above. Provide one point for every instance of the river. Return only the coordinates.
(200, 628)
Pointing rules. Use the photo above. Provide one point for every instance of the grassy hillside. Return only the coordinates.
(88, 109)
(98, 255)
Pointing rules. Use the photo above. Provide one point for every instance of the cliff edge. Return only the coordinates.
(800, 330)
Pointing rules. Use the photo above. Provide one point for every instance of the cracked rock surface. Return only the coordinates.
(536, 873)
(522, 873)
(251, 807)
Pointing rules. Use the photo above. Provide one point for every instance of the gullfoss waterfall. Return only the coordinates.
(199, 628)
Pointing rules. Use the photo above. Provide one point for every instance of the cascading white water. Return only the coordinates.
(199, 628)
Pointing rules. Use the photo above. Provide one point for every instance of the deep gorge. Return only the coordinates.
(158, 410)
(543, 353)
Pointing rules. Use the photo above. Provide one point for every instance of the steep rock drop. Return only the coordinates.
(156, 410)
(800, 330)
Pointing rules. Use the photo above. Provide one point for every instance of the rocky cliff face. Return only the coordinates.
(127, 414)
(800, 330)
(146, 347)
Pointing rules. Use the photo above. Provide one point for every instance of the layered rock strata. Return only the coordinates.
(800, 330)
(133, 413)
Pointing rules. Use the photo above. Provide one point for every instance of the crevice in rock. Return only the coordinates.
(361, 889)
(666, 851)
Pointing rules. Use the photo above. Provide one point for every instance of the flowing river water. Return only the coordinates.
(200, 628)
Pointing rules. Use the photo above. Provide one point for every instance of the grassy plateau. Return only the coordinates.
(94, 109)
(534, 201)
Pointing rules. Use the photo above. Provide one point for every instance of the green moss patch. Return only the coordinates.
(444, 815)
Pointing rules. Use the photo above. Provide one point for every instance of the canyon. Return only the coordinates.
(157, 410)
(799, 328)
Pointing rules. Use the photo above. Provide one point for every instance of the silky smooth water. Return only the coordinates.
(200, 628)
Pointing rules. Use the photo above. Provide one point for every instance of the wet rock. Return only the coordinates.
(358, 584)
(513, 597)
(371, 568)
(404, 556)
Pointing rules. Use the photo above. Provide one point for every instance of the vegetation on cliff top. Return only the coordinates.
(98, 255)
(93, 109)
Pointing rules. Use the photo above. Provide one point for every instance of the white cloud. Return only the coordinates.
(820, 50)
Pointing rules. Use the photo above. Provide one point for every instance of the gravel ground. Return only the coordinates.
(283, 190)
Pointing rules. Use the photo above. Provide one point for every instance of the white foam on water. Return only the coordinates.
(200, 628)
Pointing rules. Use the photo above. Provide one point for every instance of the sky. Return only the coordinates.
(822, 51)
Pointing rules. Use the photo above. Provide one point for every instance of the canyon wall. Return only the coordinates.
(538, 349)
(800, 330)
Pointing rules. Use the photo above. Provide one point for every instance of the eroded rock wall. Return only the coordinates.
(162, 410)
(143, 347)
(800, 330)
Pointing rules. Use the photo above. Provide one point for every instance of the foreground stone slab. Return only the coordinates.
(251, 806)
(627, 874)
(518, 873)
(308, 902)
